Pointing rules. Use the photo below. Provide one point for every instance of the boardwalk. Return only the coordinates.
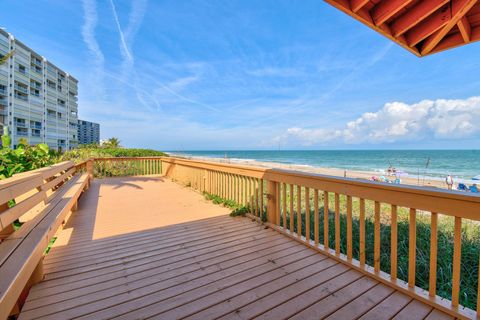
(145, 247)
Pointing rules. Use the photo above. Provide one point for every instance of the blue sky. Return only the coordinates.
(183, 75)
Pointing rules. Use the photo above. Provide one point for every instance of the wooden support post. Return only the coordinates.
(272, 202)
(90, 169)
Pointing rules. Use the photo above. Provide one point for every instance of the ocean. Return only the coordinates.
(461, 164)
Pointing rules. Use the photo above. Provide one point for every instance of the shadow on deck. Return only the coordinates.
(145, 247)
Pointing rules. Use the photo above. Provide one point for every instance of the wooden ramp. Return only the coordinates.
(145, 247)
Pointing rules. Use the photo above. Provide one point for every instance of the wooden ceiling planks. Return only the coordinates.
(421, 26)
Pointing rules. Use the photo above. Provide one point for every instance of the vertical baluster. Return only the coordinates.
(393, 243)
(284, 205)
(277, 204)
(242, 190)
(224, 186)
(253, 196)
(478, 290)
(349, 228)
(239, 190)
(291, 209)
(337, 223)
(251, 193)
(219, 184)
(299, 211)
(362, 232)
(214, 182)
(220, 189)
(245, 190)
(256, 198)
(234, 187)
(261, 200)
(412, 246)
(432, 288)
(377, 238)
(315, 218)
(457, 258)
(325, 219)
(228, 184)
(307, 214)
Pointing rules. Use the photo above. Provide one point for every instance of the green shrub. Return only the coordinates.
(91, 151)
(24, 158)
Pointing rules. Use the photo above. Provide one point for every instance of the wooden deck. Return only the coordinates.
(145, 247)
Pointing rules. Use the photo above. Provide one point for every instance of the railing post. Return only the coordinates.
(90, 168)
(272, 206)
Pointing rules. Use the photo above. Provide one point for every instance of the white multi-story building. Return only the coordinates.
(38, 101)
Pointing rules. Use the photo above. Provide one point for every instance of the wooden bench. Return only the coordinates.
(44, 199)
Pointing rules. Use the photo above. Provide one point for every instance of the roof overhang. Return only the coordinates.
(421, 26)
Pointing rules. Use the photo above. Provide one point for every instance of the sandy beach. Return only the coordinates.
(366, 175)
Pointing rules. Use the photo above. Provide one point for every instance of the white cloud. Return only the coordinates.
(398, 121)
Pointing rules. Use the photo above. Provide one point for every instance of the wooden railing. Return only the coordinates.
(114, 167)
(390, 232)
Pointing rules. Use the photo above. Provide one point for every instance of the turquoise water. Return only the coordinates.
(464, 164)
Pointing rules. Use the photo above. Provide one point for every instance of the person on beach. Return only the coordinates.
(449, 182)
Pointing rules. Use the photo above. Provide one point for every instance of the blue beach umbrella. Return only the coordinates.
(476, 177)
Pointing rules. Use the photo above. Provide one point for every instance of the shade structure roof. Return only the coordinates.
(421, 26)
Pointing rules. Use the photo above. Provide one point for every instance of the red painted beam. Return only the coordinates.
(428, 26)
(456, 40)
(356, 5)
(415, 15)
(465, 29)
(387, 9)
(459, 9)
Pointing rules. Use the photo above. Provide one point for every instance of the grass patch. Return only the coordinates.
(238, 210)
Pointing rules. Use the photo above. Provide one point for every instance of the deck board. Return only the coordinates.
(145, 247)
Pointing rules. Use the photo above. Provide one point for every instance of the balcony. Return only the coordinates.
(22, 133)
(37, 63)
(21, 97)
(21, 89)
(35, 85)
(20, 71)
(20, 124)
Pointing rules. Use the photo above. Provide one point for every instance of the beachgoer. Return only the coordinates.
(449, 182)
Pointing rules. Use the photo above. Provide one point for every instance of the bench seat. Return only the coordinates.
(22, 252)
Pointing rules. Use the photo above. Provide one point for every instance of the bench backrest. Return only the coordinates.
(28, 190)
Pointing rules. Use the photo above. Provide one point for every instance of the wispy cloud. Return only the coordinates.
(123, 44)
(88, 35)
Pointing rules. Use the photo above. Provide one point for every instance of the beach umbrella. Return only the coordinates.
(476, 177)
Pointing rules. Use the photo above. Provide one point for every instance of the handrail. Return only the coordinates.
(285, 198)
